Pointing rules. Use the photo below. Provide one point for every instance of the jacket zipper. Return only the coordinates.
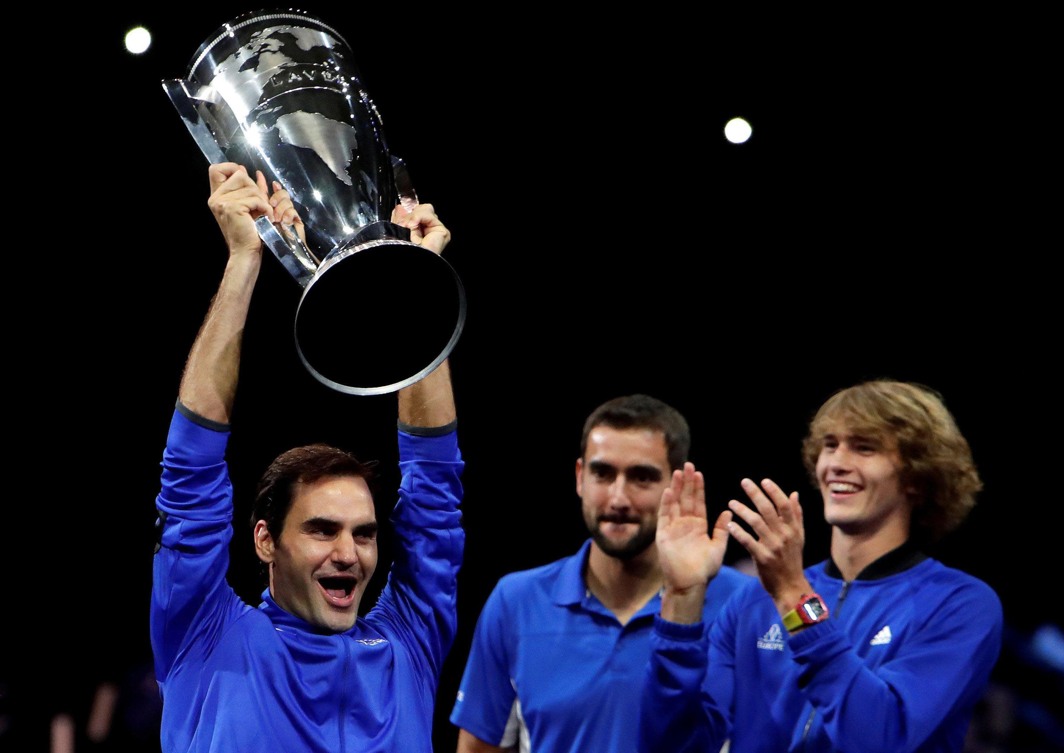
(838, 608)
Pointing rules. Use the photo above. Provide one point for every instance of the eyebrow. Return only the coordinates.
(640, 469)
(864, 437)
(366, 529)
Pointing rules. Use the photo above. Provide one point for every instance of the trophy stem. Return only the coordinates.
(289, 249)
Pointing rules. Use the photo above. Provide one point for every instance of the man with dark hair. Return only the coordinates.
(559, 651)
(302, 671)
(880, 648)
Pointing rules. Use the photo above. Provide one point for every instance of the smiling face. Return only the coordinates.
(860, 480)
(620, 480)
(326, 553)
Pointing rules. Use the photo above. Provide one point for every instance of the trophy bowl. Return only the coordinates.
(279, 91)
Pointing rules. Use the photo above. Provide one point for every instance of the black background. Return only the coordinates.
(889, 217)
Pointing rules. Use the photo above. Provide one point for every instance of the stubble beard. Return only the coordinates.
(626, 550)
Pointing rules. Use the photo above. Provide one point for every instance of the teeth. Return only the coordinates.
(843, 488)
(338, 586)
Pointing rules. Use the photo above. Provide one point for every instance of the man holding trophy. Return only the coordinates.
(276, 96)
(301, 672)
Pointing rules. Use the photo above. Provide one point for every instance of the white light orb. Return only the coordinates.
(737, 130)
(138, 40)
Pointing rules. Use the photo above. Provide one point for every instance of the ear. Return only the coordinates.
(264, 544)
(580, 477)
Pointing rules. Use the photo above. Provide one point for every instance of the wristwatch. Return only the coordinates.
(809, 610)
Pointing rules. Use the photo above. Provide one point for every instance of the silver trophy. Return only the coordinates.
(279, 91)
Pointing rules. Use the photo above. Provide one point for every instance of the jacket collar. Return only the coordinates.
(898, 560)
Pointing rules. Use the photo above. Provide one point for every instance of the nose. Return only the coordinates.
(841, 458)
(618, 491)
(345, 552)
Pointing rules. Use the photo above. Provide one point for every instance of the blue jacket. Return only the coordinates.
(897, 668)
(241, 679)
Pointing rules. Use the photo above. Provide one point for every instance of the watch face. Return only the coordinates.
(813, 609)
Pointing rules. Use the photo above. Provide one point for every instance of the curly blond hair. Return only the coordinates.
(936, 459)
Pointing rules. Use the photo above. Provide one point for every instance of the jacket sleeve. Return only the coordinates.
(191, 599)
(675, 714)
(486, 694)
(420, 595)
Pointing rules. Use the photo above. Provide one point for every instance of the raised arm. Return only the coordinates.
(428, 402)
(208, 384)
(671, 715)
(690, 552)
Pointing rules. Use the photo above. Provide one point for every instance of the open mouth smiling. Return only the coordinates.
(338, 588)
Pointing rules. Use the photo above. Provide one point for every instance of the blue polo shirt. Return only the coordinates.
(552, 666)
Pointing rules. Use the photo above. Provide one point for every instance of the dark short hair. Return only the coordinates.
(306, 464)
(643, 412)
(936, 458)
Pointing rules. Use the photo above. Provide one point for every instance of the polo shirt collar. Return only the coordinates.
(570, 586)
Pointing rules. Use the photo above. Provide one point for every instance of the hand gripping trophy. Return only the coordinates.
(279, 91)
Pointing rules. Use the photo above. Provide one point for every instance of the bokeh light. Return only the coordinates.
(138, 40)
(737, 130)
